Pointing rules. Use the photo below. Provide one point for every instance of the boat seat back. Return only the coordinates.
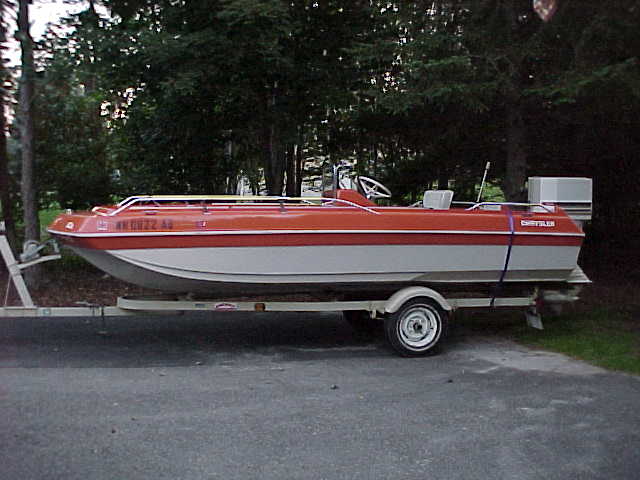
(437, 199)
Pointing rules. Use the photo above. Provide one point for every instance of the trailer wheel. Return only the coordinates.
(417, 328)
(361, 322)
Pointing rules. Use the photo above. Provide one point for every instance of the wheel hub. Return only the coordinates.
(419, 326)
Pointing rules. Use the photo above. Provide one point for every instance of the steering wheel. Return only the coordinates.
(373, 189)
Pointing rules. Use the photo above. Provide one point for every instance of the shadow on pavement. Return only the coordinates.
(193, 339)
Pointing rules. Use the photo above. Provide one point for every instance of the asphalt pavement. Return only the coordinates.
(299, 396)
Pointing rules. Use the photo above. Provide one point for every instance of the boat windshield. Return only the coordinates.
(335, 176)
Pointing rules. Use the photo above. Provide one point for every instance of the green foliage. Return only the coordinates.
(72, 161)
(621, 78)
(176, 96)
(604, 337)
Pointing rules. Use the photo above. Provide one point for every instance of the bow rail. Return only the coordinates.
(204, 201)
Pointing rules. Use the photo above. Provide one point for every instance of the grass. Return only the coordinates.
(607, 337)
(602, 327)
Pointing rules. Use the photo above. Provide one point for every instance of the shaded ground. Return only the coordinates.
(66, 286)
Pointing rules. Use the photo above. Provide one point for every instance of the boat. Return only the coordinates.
(340, 242)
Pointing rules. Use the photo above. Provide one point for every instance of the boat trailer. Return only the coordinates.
(415, 317)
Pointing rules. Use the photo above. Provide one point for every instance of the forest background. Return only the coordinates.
(174, 96)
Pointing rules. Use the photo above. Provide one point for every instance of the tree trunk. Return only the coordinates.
(6, 204)
(28, 188)
(443, 178)
(291, 170)
(299, 161)
(273, 152)
(274, 164)
(516, 168)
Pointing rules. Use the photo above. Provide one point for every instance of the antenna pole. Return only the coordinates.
(484, 178)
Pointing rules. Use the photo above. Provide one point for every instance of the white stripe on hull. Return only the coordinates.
(206, 269)
(196, 233)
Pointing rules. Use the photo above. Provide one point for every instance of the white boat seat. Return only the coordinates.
(437, 199)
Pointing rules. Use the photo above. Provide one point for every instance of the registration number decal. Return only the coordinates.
(144, 224)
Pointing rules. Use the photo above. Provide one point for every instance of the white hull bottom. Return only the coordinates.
(252, 270)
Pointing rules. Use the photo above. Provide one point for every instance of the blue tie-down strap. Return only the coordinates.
(512, 234)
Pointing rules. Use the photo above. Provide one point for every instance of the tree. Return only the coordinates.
(254, 75)
(6, 201)
(26, 121)
(589, 104)
(421, 100)
(71, 125)
(420, 93)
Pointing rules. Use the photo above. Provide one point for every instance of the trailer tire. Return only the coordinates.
(417, 328)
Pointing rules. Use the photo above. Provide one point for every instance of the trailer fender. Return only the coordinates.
(395, 302)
